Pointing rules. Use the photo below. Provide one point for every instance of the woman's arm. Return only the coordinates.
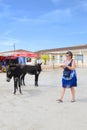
(69, 67)
(73, 65)
(63, 65)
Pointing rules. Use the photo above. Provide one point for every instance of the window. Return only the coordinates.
(61, 59)
(80, 57)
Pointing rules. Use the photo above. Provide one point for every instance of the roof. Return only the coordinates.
(63, 49)
(79, 47)
(20, 50)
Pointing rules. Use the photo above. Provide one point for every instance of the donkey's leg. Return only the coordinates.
(15, 86)
(20, 86)
(36, 79)
(23, 80)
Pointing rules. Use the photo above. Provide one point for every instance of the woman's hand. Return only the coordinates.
(63, 65)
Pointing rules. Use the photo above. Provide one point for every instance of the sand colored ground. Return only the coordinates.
(37, 108)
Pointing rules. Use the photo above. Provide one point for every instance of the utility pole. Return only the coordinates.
(14, 47)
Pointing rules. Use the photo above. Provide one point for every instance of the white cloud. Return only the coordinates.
(55, 1)
(4, 9)
(80, 5)
(8, 41)
(56, 15)
(5, 35)
(8, 32)
(22, 19)
(78, 32)
(83, 4)
(1, 1)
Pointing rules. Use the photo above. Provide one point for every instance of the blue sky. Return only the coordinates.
(42, 24)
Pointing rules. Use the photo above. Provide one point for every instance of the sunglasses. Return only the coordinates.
(67, 55)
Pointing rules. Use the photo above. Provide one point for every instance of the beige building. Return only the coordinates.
(57, 55)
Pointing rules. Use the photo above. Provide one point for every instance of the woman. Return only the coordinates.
(69, 79)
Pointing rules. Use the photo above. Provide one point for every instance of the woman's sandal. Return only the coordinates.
(59, 100)
(73, 101)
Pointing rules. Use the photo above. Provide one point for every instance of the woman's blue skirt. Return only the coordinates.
(70, 82)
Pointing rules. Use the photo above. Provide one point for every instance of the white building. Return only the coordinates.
(57, 55)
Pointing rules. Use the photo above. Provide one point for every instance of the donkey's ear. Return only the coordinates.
(12, 65)
(41, 63)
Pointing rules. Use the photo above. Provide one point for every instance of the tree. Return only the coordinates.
(45, 57)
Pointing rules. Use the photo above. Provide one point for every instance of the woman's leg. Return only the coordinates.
(62, 93)
(73, 93)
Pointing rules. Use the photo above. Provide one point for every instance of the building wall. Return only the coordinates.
(85, 58)
(80, 57)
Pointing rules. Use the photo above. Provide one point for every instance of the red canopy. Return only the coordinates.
(2, 57)
(23, 54)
